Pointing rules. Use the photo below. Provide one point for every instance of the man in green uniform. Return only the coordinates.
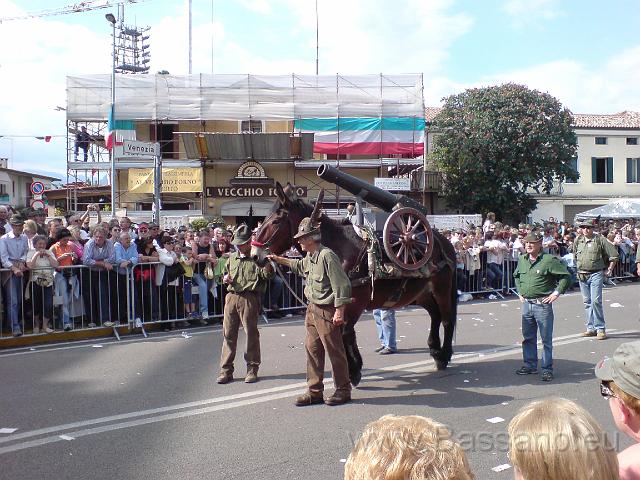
(246, 284)
(540, 279)
(328, 291)
(592, 253)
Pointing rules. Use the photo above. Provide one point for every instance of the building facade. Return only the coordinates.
(15, 185)
(608, 164)
(225, 140)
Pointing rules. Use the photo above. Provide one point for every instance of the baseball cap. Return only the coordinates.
(623, 368)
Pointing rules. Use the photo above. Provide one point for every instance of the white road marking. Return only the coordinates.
(240, 400)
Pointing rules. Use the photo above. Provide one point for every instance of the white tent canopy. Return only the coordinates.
(619, 209)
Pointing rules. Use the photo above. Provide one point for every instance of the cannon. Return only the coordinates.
(407, 236)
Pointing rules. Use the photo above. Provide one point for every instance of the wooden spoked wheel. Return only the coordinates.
(408, 238)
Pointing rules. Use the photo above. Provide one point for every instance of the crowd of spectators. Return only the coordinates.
(486, 256)
(82, 271)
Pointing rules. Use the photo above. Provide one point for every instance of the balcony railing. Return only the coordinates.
(426, 181)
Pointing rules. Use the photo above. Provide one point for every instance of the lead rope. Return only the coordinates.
(277, 269)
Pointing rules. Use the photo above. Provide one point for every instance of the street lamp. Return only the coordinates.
(112, 20)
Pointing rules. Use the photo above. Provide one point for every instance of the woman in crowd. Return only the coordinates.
(66, 254)
(144, 277)
(556, 439)
(41, 262)
(205, 256)
(30, 229)
(167, 273)
(114, 233)
(126, 259)
(76, 236)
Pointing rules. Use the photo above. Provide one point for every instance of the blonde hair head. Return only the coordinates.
(556, 439)
(407, 448)
(31, 227)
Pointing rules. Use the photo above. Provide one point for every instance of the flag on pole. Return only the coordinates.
(46, 138)
(119, 130)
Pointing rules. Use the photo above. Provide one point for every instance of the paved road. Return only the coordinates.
(150, 409)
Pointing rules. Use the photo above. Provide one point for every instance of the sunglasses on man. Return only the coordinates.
(606, 392)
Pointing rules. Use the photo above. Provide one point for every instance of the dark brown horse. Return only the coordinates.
(437, 294)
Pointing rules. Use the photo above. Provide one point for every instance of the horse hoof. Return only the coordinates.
(355, 379)
(441, 365)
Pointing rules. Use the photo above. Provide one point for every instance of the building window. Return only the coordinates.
(3, 189)
(573, 163)
(632, 140)
(633, 170)
(601, 140)
(602, 170)
(251, 126)
(334, 156)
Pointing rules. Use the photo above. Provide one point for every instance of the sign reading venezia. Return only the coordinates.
(173, 180)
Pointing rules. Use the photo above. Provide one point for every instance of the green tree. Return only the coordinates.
(498, 144)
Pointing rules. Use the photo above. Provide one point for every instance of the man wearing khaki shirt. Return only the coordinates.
(246, 283)
(328, 291)
(593, 253)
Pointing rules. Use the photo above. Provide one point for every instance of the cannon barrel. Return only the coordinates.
(369, 193)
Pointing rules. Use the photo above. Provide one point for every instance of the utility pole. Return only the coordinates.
(112, 20)
(190, 37)
(157, 183)
(317, 40)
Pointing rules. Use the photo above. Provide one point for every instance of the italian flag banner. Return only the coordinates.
(365, 136)
(119, 130)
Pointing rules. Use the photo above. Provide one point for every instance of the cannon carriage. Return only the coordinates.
(407, 237)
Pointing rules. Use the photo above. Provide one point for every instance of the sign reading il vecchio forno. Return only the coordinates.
(248, 191)
(173, 180)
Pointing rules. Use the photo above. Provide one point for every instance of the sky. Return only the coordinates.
(584, 52)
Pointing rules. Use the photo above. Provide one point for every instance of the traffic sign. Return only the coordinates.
(37, 204)
(37, 188)
(135, 149)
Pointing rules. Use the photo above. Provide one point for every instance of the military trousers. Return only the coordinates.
(241, 308)
(322, 335)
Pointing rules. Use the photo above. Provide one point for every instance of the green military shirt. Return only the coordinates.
(542, 277)
(327, 283)
(245, 274)
(593, 254)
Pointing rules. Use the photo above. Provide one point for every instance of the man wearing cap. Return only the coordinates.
(246, 283)
(592, 253)
(328, 291)
(540, 279)
(620, 385)
(13, 255)
(39, 216)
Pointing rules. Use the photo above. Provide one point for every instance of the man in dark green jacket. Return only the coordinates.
(540, 279)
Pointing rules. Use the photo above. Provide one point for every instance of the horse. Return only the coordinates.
(437, 293)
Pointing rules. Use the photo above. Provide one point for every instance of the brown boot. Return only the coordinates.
(339, 397)
(252, 376)
(225, 378)
(308, 399)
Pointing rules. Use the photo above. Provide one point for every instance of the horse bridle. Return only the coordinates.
(268, 243)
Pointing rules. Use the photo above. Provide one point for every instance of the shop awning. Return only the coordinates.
(241, 208)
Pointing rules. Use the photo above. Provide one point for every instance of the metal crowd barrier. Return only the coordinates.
(82, 298)
(483, 281)
(86, 298)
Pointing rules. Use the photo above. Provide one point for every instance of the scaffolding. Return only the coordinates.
(245, 97)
